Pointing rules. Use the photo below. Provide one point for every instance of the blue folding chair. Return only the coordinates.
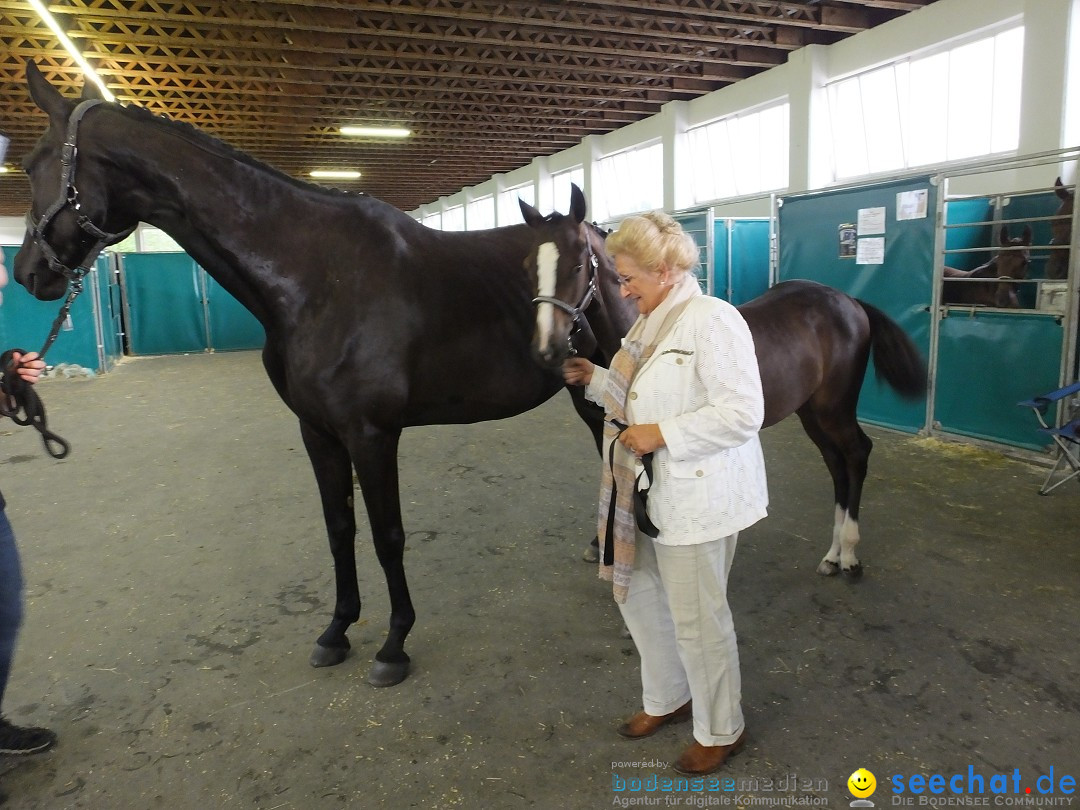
(1066, 435)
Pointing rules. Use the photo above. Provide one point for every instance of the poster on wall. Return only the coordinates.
(846, 238)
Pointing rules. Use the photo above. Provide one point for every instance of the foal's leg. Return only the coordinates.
(333, 474)
(375, 458)
(845, 449)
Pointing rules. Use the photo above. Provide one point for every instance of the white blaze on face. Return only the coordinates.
(547, 261)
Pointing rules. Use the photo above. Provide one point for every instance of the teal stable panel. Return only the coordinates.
(163, 298)
(749, 259)
(25, 322)
(819, 240)
(989, 361)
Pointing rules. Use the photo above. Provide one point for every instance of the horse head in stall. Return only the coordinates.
(373, 322)
(813, 344)
(1057, 264)
(1010, 263)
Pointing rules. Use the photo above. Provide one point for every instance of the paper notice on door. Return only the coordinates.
(911, 204)
(871, 221)
(870, 250)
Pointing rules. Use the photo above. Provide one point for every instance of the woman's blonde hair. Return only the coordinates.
(655, 241)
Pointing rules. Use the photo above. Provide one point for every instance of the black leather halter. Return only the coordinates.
(577, 314)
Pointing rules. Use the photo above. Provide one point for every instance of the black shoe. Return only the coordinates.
(16, 740)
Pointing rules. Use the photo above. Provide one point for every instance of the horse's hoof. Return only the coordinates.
(327, 656)
(854, 573)
(828, 569)
(591, 554)
(384, 674)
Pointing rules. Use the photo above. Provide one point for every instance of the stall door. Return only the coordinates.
(171, 306)
(84, 338)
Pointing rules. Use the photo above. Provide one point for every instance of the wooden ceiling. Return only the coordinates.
(484, 85)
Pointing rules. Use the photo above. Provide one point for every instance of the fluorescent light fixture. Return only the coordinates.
(333, 174)
(69, 46)
(376, 132)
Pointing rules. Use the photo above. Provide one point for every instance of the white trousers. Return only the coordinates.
(677, 612)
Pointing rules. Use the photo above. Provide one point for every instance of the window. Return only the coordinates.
(560, 187)
(952, 105)
(630, 181)
(738, 155)
(152, 240)
(453, 218)
(509, 210)
(433, 220)
(480, 213)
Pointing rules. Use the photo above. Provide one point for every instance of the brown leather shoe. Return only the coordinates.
(644, 724)
(699, 760)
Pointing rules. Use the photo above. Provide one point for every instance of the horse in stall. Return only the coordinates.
(1057, 263)
(1011, 262)
(373, 322)
(813, 345)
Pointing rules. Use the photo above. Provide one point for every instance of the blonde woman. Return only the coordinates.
(684, 405)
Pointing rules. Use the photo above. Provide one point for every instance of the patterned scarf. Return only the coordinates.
(618, 479)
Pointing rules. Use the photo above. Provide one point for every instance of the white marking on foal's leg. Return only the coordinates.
(830, 563)
(849, 538)
(547, 261)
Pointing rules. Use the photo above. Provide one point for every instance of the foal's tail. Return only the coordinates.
(896, 357)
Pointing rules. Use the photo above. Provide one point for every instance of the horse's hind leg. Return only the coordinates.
(333, 474)
(845, 448)
(375, 458)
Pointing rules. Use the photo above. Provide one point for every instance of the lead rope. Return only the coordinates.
(29, 409)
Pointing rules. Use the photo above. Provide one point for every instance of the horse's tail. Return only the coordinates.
(896, 357)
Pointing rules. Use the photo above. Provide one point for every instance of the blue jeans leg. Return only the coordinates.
(11, 599)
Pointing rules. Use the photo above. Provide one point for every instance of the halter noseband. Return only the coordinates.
(577, 314)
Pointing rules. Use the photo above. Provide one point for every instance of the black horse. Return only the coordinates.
(373, 322)
(813, 345)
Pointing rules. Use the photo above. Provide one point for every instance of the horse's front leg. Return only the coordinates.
(333, 474)
(593, 416)
(375, 459)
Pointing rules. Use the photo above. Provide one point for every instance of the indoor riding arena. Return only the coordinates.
(242, 352)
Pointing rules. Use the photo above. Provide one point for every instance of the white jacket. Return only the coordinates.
(703, 388)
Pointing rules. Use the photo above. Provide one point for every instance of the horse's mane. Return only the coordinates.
(209, 143)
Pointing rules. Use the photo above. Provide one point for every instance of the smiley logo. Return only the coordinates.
(862, 783)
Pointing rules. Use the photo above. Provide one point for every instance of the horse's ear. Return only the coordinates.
(577, 203)
(1061, 191)
(46, 96)
(1003, 236)
(1028, 235)
(532, 216)
(91, 91)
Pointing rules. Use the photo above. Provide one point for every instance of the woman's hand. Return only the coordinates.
(642, 439)
(577, 371)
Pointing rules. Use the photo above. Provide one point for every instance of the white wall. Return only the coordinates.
(1048, 121)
